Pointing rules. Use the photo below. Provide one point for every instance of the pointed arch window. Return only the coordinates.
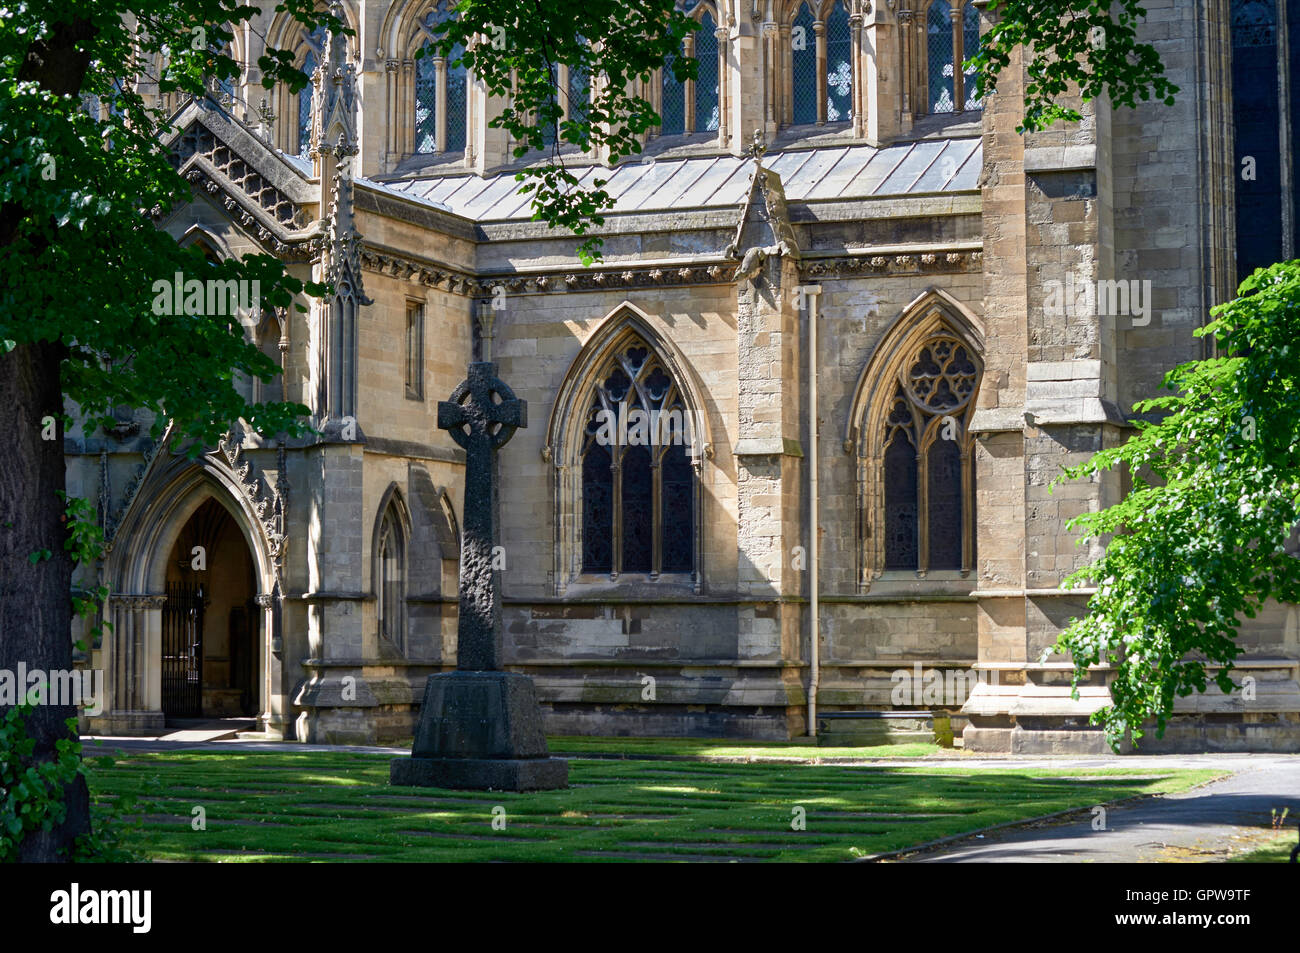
(970, 45)
(952, 36)
(441, 94)
(314, 44)
(910, 422)
(691, 106)
(813, 66)
(839, 65)
(928, 478)
(638, 469)
(1262, 211)
(804, 67)
(940, 56)
(390, 575)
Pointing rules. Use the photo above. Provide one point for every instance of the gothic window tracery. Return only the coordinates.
(927, 458)
(909, 425)
(638, 507)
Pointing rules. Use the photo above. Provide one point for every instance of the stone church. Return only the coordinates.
(877, 320)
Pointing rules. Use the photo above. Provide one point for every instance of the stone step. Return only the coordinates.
(216, 729)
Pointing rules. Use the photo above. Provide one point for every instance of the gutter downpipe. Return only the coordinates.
(813, 293)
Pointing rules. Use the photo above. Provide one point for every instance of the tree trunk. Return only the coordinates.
(35, 597)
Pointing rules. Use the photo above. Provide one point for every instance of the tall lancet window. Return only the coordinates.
(441, 103)
(390, 575)
(940, 56)
(804, 67)
(672, 101)
(706, 82)
(315, 47)
(970, 35)
(638, 475)
(1256, 116)
(839, 65)
(928, 477)
(695, 105)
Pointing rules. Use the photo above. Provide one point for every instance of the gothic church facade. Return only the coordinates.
(845, 292)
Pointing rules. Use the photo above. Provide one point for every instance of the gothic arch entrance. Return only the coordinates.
(210, 625)
(194, 602)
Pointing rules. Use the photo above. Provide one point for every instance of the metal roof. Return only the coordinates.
(844, 172)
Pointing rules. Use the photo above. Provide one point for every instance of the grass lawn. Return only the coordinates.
(339, 806)
(1278, 852)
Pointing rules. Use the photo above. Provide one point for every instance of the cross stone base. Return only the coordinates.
(480, 731)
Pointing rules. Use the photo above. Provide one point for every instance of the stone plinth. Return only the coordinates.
(480, 730)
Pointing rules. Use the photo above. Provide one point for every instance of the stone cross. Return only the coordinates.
(481, 416)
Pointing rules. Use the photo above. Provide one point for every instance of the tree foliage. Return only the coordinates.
(516, 48)
(1203, 540)
(83, 180)
(1091, 44)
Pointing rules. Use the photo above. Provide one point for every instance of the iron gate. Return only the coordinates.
(182, 650)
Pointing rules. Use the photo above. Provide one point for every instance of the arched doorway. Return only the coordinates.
(210, 629)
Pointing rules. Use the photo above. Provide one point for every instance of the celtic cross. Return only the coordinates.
(481, 416)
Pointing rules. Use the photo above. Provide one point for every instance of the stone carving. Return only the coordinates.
(199, 141)
(272, 512)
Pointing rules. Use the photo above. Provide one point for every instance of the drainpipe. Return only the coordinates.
(813, 293)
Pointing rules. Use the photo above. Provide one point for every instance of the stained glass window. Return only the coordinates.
(803, 41)
(457, 102)
(839, 66)
(939, 51)
(597, 511)
(637, 427)
(901, 549)
(579, 93)
(1255, 116)
(672, 107)
(706, 83)
(678, 480)
(426, 105)
(943, 502)
(638, 510)
(304, 104)
(923, 440)
(970, 43)
(430, 100)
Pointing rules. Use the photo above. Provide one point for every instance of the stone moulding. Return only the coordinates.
(709, 271)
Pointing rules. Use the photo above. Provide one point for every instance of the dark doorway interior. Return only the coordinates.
(210, 621)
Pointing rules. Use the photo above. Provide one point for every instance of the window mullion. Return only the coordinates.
(923, 509)
(616, 556)
(440, 67)
(657, 515)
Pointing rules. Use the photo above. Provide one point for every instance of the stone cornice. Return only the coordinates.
(564, 279)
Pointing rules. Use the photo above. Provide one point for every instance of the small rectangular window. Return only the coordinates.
(415, 350)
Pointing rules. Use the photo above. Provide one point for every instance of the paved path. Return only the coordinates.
(1210, 823)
